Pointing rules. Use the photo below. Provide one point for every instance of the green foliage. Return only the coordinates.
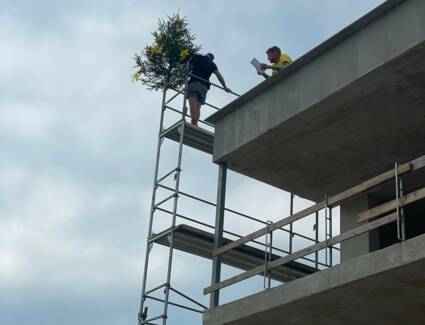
(160, 64)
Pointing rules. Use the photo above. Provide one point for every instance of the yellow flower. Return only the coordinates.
(184, 54)
(148, 51)
(136, 76)
(156, 49)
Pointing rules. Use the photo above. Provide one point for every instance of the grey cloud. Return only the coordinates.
(77, 145)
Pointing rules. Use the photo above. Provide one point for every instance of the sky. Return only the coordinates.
(78, 141)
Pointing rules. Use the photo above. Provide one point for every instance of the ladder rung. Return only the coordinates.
(152, 319)
(168, 174)
(154, 289)
(165, 200)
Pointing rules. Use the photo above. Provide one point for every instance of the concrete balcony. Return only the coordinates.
(383, 287)
(340, 114)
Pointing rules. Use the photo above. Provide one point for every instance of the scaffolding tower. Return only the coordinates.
(198, 241)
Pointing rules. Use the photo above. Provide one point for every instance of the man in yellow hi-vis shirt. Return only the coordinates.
(278, 59)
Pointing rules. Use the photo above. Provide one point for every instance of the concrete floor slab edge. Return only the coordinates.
(358, 268)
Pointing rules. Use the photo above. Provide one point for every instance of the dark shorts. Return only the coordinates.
(198, 91)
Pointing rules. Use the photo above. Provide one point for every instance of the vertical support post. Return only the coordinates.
(176, 197)
(326, 229)
(270, 258)
(330, 236)
(402, 216)
(291, 212)
(401, 235)
(397, 193)
(186, 83)
(218, 234)
(268, 251)
(151, 215)
(316, 237)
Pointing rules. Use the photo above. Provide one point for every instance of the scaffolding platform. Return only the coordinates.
(199, 242)
(194, 136)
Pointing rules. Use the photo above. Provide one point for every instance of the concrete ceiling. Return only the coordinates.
(356, 133)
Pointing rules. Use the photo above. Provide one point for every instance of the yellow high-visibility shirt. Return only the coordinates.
(284, 59)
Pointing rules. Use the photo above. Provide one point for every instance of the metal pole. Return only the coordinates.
(316, 228)
(291, 212)
(212, 83)
(401, 231)
(326, 229)
(158, 154)
(330, 236)
(268, 251)
(270, 258)
(218, 234)
(179, 161)
(402, 217)
(397, 193)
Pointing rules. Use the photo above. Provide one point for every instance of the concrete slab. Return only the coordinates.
(383, 287)
(342, 113)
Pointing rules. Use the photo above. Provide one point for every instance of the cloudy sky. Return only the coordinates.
(77, 145)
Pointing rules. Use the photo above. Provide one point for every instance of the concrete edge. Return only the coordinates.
(364, 266)
(306, 58)
(337, 92)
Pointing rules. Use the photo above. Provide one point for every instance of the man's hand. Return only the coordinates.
(261, 73)
(221, 79)
(264, 66)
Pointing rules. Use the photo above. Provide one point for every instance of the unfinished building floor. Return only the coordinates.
(345, 111)
(383, 287)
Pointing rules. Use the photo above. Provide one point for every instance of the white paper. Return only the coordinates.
(257, 65)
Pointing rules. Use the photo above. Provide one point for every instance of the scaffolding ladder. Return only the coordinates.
(179, 236)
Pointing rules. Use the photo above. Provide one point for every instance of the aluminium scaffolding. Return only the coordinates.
(200, 242)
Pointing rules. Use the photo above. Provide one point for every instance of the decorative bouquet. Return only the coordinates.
(160, 65)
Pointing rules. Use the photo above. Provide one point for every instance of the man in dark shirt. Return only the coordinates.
(202, 67)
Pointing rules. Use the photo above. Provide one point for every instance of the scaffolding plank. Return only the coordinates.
(199, 242)
(195, 137)
(331, 201)
(391, 205)
(303, 252)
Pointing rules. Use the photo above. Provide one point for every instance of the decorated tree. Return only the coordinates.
(160, 64)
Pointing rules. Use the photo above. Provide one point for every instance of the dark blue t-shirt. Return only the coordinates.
(203, 67)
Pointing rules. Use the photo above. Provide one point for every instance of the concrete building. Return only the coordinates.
(330, 128)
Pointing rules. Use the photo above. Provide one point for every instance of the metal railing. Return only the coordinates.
(175, 194)
(376, 217)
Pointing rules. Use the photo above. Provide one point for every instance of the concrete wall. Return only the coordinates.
(292, 92)
(364, 243)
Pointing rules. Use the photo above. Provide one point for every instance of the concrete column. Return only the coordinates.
(364, 243)
(218, 234)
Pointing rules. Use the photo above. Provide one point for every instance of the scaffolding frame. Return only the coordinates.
(184, 134)
(392, 211)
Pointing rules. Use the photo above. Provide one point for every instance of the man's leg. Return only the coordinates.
(195, 108)
(197, 112)
(200, 100)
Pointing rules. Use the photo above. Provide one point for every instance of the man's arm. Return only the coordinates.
(221, 79)
(284, 64)
(266, 66)
(265, 75)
